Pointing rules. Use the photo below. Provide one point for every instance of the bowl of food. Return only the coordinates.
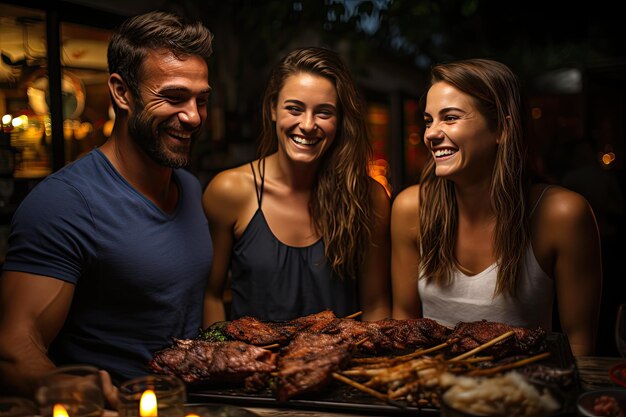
(607, 402)
(504, 395)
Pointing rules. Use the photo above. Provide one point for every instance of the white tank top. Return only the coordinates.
(470, 298)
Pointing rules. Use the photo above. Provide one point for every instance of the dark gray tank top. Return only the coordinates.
(274, 281)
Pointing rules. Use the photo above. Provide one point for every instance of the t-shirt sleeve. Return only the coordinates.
(52, 233)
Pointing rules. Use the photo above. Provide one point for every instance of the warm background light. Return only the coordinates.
(148, 404)
(59, 411)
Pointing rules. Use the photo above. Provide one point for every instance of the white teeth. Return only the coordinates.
(444, 152)
(179, 135)
(303, 141)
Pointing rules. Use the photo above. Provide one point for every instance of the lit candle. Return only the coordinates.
(192, 415)
(148, 404)
(59, 411)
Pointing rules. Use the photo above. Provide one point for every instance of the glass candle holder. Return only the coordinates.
(17, 407)
(152, 396)
(71, 391)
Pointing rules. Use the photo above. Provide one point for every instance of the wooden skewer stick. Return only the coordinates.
(483, 346)
(275, 345)
(390, 361)
(367, 390)
(354, 315)
(477, 359)
(420, 352)
(360, 342)
(506, 367)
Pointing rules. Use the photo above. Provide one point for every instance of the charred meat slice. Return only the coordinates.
(469, 335)
(196, 360)
(308, 363)
(260, 333)
(369, 336)
(317, 319)
(256, 332)
(413, 333)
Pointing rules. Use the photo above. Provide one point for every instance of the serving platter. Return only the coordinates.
(343, 398)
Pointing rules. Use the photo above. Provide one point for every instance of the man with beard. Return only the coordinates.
(109, 256)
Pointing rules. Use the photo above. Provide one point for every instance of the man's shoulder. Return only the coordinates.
(74, 181)
(78, 171)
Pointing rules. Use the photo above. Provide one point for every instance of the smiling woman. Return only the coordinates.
(303, 228)
(476, 239)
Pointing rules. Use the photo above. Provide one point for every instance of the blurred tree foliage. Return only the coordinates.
(529, 35)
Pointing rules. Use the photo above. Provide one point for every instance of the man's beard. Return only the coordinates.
(140, 129)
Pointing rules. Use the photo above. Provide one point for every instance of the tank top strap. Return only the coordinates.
(259, 193)
(538, 200)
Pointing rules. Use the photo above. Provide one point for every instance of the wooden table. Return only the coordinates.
(594, 371)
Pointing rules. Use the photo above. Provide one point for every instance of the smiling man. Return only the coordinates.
(109, 256)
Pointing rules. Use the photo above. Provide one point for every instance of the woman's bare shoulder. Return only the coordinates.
(407, 200)
(230, 189)
(555, 202)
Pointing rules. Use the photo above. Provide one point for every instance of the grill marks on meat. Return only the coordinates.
(369, 336)
(197, 360)
(380, 336)
(308, 363)
(470, 335)
(256, 332)
(413, 333)
(320, 344)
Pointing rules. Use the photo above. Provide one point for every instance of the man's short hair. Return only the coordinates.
(151, 31)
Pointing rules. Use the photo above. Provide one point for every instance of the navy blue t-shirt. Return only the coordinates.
(140, 273)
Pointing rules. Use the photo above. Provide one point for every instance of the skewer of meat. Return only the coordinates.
(469, 335)
(308, 363)
(197, 360)
(256, 332)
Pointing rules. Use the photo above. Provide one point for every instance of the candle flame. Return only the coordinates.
(192, 415)
(148, 404)
(59, 411)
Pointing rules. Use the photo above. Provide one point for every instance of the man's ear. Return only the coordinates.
(120, 92)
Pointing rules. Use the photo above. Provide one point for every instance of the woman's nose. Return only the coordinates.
(307, 123)
(433, 134)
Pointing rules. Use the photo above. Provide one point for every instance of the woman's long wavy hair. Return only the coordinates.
(497, 92)
(340, 205)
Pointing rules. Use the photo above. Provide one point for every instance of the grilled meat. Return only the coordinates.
(369, 336)
(467, 336)
(259, 333)
(197, 360)
(413, 333)
(308, 363)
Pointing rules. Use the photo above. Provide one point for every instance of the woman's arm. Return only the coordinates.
(374, 284)
(223, 200)
(405, 254)
(577, 270)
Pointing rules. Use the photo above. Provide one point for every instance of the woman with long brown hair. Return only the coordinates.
(303, 228)
(475, 239)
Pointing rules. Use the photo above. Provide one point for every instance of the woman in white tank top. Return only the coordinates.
(475, 240)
